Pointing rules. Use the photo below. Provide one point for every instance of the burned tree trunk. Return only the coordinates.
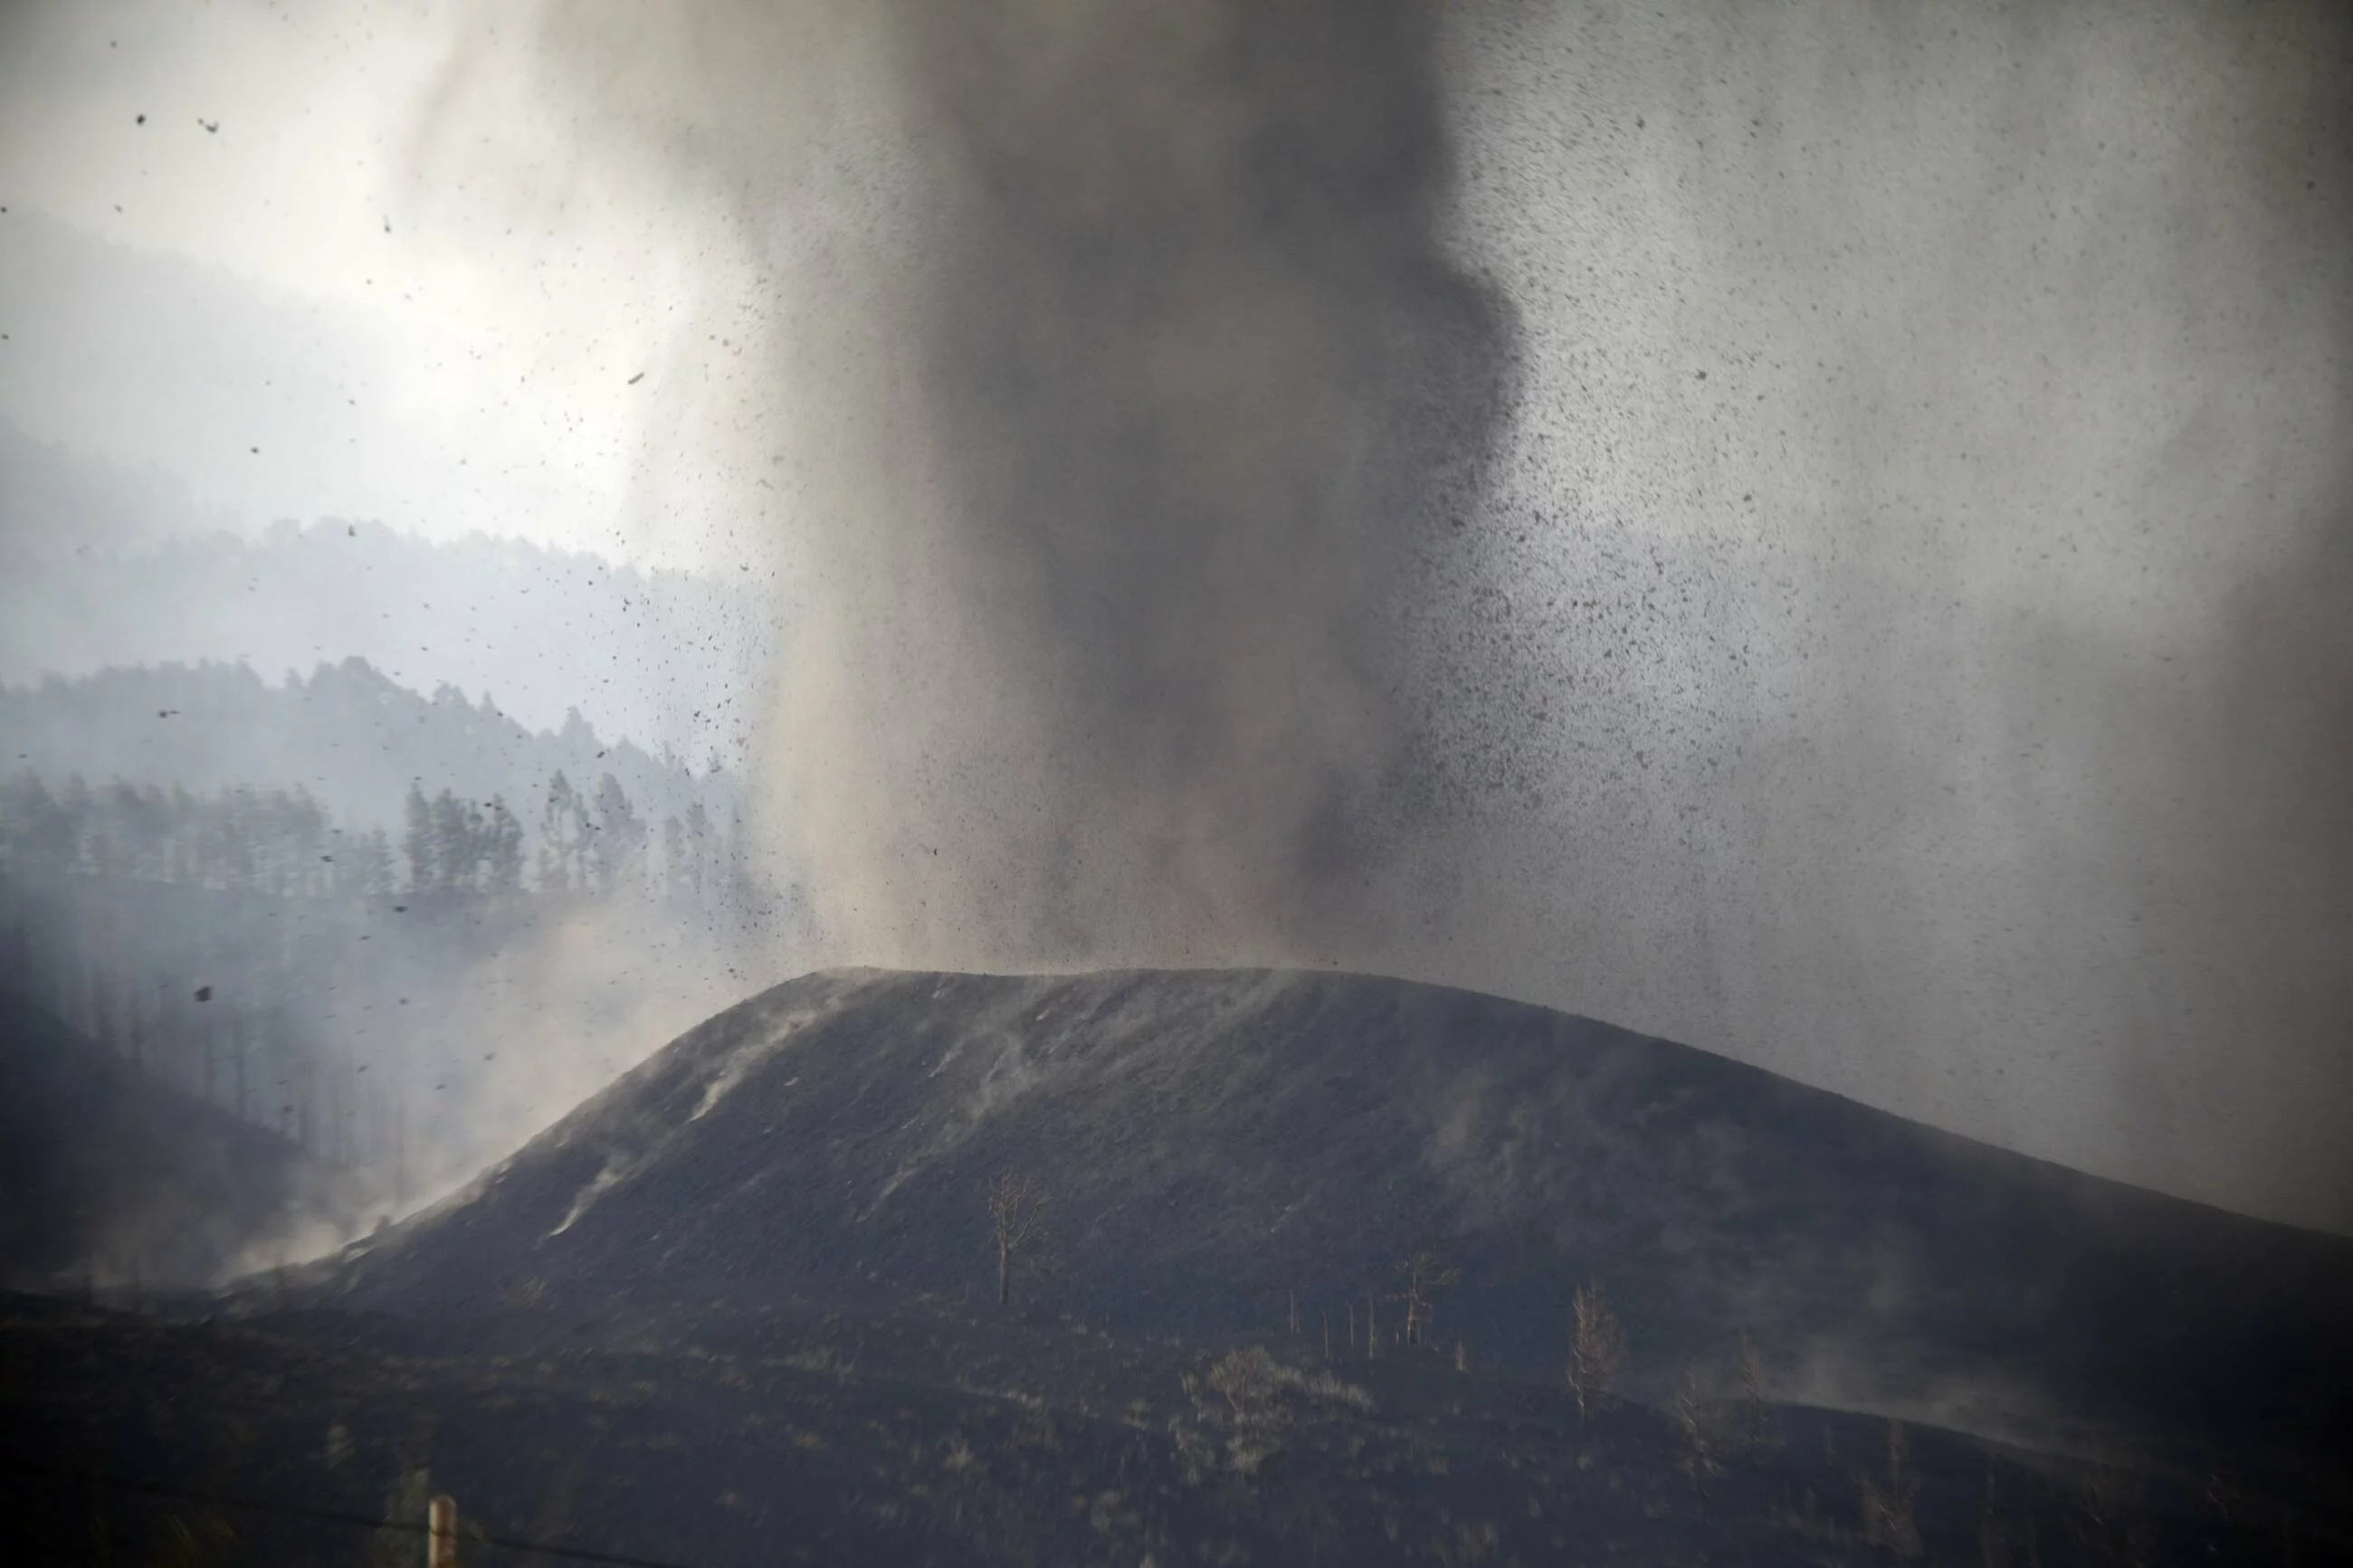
(1014, 1204)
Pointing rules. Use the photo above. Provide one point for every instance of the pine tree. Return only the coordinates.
(698, 854)
(620, 837)
(73, 811)
(417, 843)
(675, 873)
(559, 837)
(732, 876)
(453, 845)
(371, 875)
(477, 846)
(503, 853)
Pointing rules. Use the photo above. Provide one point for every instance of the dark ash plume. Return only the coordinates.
(1121, 367)
(1203, 374)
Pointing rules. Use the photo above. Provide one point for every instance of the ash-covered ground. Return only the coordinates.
(743, 1306)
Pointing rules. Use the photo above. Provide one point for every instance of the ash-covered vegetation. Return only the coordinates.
(844, 1422)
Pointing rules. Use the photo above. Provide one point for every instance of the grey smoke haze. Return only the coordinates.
(1820, 533)
(1988, 714)
(668, 659)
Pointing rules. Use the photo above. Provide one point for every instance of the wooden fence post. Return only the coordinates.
(442, 1533)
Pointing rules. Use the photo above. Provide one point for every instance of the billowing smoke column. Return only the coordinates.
(1109, 624)
(1122, 380)
(1821, 533)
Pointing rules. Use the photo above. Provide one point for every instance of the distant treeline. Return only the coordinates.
(649, 653)
(283, 842)
(357, 743)
(278, 841)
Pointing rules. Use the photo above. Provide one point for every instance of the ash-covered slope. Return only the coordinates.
(1212, 1142)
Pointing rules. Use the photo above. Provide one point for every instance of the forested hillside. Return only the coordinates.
(355, 915)
(357, 741)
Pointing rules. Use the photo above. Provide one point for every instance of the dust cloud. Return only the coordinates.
(1819, 534)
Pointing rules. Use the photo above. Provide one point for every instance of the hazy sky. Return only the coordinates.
(283, 281)
(1893, 631)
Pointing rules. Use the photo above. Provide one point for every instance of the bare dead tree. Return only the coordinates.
(1752, 1391)
(1697, 1414)
(1598, 1355)
(1887, 1516)
(1424, 1274)
(2110, 1524)
(1993, 1544)
(1015, 1204)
